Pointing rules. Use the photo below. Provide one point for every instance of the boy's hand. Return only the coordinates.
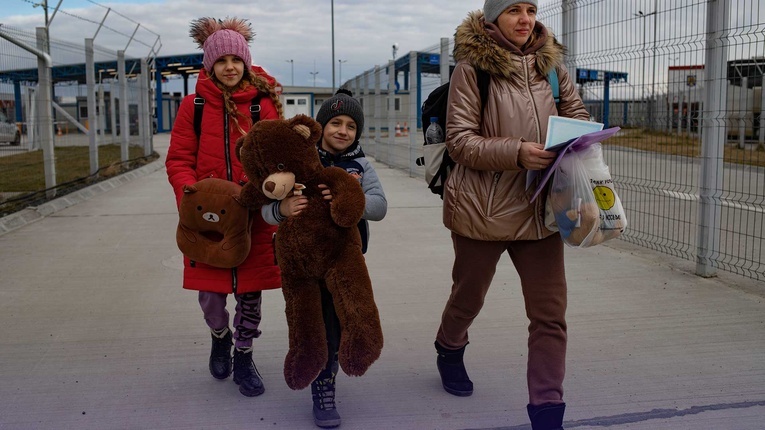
(292, 205)
(325, 192)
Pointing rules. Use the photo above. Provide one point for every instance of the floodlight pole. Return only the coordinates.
(292, 71)
(642, 15)
(340, 77)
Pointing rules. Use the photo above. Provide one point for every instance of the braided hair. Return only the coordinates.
(248, 79)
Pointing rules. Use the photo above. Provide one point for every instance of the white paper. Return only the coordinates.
(561, 130)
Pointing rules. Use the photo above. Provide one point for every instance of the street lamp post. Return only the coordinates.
(640, 14)
(314, 73)
(333, 47)
(340, 77)
(292, 72)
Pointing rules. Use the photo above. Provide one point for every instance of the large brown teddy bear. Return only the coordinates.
(320, 247)
(214, 226)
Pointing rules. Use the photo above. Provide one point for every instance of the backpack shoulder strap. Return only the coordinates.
(199, 105)
(255, 108)
(483, 79)
(552, 77)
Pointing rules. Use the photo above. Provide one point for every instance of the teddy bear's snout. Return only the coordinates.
(211, 217)
(278, 185)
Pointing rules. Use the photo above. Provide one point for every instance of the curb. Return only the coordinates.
(32, 214)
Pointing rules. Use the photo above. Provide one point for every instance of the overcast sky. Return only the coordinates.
(300, 30)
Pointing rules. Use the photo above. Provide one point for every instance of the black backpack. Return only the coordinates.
(435, 106)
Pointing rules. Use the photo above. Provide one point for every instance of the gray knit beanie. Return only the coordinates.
(492, 9)
(342, 103)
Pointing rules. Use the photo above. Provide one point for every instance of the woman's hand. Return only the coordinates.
(292, 205)
(532, 156)
(325, 192)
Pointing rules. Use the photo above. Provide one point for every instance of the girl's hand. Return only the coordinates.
(292, 205)
(325, 192)
(532, 156)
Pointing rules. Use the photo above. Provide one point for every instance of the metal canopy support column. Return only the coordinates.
(713, 138)
(606, 99)
(17, 101)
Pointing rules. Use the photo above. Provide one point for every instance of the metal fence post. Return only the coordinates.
(415, 83)
(568, 34)
(45, 114)
(443, 63)
(713, 138)
(143, 106)
(761, 129)
(391, 111)
(90, 81)
(124, 109)
(113, 112)
(365, 104)
(378, 112)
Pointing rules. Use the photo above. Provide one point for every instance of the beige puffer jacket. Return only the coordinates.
(485, 197)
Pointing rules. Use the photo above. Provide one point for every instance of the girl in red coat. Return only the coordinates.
(230, 91)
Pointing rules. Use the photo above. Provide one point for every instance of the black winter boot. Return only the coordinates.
(220, 353)
(323, 392)
(546, 417)
(246, 374)
(454, 377)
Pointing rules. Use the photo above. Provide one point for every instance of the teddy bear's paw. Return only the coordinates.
(297, 381)
(300, 370)
(357, 356)
(343, 217)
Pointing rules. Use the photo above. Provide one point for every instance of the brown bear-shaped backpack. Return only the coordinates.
(318, 248)
(214, 226)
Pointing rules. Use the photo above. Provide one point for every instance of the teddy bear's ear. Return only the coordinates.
(189, 189)
(306, 127)
(239, 144)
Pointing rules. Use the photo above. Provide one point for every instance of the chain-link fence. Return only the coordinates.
(682, 78)
(71, 112)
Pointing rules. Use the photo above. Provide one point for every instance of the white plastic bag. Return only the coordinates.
(582, 201)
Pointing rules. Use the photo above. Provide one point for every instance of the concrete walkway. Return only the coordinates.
(98, 334)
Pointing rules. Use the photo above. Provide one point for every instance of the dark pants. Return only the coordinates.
(332, 326)
(540, 266)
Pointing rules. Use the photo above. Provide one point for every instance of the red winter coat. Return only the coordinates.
(213, 156)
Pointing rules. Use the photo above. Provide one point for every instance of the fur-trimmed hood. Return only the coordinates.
(473, 44)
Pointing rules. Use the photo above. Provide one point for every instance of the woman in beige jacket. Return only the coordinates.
(486, 202)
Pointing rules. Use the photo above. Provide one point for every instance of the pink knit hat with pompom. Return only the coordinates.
(218, 38)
